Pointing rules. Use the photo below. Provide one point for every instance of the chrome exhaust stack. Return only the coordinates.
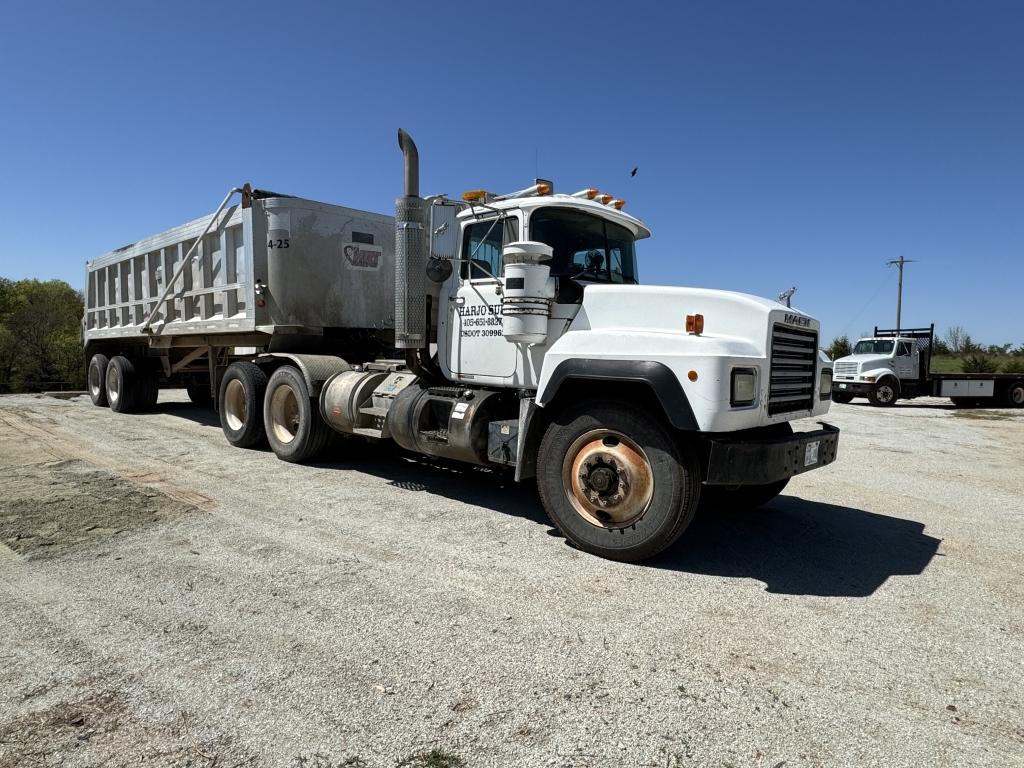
(410, 254)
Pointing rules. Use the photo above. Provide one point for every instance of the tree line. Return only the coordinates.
(40, 336)
(956, 343)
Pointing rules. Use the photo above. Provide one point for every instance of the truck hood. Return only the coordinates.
(867, 362)
(736, 317)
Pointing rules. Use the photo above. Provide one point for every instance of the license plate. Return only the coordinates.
(842, 386)
(811, 453)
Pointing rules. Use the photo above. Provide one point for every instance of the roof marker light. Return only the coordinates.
(586, 194)
(618, 205)
(604, 198)
(475, 195)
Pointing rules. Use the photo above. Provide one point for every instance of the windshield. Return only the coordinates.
(585, 247)
(873, 347)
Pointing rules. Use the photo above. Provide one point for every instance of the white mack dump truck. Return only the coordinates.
(499, 330)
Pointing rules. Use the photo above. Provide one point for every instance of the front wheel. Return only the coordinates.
(615, 482)
(883, 394)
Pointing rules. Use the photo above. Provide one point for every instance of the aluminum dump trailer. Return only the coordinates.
(268, 273)
(278, 265)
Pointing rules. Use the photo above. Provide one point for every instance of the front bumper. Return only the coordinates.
(768, 460)
(857, 388)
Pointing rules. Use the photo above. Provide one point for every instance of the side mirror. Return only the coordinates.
(444, 231)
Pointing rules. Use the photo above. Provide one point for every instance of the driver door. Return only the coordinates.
(906, 360)
(477, 350)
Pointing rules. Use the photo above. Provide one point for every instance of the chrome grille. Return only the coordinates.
(794, 360)
(846, 370)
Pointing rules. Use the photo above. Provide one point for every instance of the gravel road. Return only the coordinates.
(168, 600)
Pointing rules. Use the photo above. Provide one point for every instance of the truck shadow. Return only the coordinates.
(199, 414)
(801, 547)
(793, 545)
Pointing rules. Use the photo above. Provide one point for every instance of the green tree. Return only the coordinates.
(840, 347)
(39, 335)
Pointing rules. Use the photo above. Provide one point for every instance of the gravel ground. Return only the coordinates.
(168, 600)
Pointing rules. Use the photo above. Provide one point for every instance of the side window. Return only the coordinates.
(482, 244)
(903, 350)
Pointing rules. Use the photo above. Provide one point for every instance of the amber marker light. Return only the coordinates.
(695, 324)
(604, 199)
(692, 375)
(618, 205)
(474, 195)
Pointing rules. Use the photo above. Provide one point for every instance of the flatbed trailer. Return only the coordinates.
(898, 367)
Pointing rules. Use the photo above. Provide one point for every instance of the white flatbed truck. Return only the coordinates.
(894, 365)
(500, 330)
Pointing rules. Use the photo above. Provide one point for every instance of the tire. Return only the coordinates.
(122, 384)
(842, 397)
(295, 429)
(661, 481)
(240, 405)
(1015, 394)
(884, 394)
(149, 388)
(97, 380)
(200, 395)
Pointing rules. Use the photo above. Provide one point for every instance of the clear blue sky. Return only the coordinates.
(778, 143)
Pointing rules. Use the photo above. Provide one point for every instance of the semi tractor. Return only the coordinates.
(502, 330)
(895, 364)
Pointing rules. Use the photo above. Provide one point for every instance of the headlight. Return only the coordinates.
(743, 389)
(826, 383)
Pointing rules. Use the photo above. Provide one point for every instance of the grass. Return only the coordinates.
(947, 364)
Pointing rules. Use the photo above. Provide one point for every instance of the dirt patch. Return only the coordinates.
(983, 415)
(48, 510)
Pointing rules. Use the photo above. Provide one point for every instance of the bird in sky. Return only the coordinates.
(633, 172)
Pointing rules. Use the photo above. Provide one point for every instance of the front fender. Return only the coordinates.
(658, 377)
(678, 368)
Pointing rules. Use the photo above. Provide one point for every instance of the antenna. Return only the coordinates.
(899, 295)
(786, 296)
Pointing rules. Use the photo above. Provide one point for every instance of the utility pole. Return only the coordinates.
(899, 294)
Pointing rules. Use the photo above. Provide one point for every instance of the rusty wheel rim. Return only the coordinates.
(607, 479)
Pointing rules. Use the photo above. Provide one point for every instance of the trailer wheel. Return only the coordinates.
(241, 404)
(200, 395)
(884, 393)
(615, 482)
(98, 380)
(148, 387)
(842, 397)
(1015, 394)
(295, 429)
(122, 384)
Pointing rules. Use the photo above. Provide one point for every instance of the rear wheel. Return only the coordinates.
(615, 482)
(241, 404)
(295, 429)
(200, 395)
(884, 393)
(1015, 395)
(149, 387)
(97, 380)
(122, 384)
(841, 397)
